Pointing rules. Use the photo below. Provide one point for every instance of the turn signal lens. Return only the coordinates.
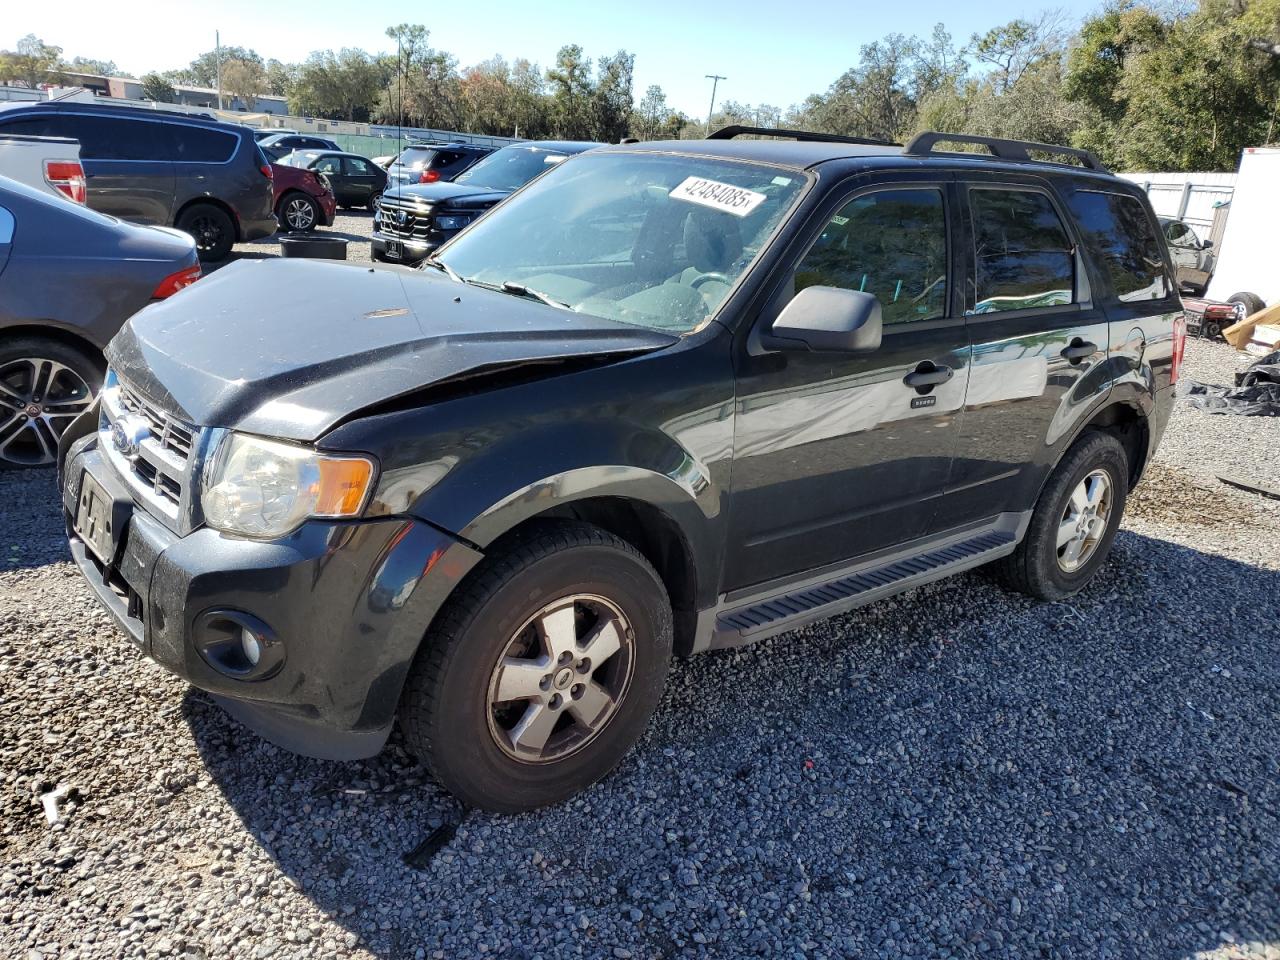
(343, 485)
(176, 281)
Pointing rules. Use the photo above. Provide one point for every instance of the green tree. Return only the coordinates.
(571, 86)
(32, 63)
(280, 76)
(103, 68)
(342, 86)
(611, 97)
(203, 70)
(157, 88)
(245, 79)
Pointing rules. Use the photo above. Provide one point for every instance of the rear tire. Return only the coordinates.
(1042, 565)
(211, 228)
(478, 709)
(1251, 301)
(47, 384)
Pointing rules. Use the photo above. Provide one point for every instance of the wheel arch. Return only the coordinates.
(1128, 423)
(212, 202)
(56, 330)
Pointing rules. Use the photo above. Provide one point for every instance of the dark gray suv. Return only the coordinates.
(666, 398)
(163, 168)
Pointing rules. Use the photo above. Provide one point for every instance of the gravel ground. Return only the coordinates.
(959, 772)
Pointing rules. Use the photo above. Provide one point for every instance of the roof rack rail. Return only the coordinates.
(922, 145)
(737, 130)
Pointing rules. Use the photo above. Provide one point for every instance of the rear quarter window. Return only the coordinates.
(1121, 234)
(199, 145)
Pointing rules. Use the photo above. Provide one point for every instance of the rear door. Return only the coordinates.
(836, 456)
(1039, 344)
(203, 162)
(362, 180)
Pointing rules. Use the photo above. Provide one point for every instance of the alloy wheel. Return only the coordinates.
(561, 678)
(298, 214)
(1084, 521)
(207, 232)
(39, 398)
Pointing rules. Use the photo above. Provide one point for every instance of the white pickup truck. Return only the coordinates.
(51, 164)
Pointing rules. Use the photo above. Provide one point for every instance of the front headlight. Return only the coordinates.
(452, 223)
(265, 488)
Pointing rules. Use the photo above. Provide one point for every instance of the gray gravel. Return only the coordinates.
(958, 772)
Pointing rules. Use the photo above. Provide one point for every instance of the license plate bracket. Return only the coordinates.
(96, 519)
(395, 250)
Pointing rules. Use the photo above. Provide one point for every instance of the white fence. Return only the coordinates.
(1191, 197)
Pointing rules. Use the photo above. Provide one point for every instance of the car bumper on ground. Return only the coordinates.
(385, 247)
(336, 610)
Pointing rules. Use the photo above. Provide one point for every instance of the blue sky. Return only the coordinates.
(771, 51)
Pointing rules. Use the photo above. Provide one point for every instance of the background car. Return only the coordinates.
(434, 162)
(1193, 258)
(304, 199)
(69, 277)
(284, 143)
(411, 221)
(207, 178)
(356, 181)
(50, 164)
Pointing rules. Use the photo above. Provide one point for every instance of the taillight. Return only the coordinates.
(429, 176)
(176, 281)
(1179, 347)
(265, 170)
(67, 177)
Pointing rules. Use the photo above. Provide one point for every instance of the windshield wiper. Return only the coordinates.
(520, 290)
(443, 268)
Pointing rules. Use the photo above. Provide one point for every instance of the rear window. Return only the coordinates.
(1024, 258)
(1120, 231)
(415, 158)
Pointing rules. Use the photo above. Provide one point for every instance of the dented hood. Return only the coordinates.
(290, 348)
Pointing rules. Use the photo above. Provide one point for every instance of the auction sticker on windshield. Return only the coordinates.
(719, 196)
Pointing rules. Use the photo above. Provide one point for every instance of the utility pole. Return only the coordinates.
(217, 59)
(715, 79)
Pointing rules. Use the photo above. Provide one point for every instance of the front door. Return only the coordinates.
(1039, 346)
(835, 455)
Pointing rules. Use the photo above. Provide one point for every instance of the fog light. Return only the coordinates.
(237, 644)
(251, 647)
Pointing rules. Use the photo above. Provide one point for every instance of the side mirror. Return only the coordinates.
(829, 318)
(1207, 245)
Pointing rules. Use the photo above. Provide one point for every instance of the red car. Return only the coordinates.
(303, 200)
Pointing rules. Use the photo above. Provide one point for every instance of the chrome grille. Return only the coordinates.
(154, 451)
(404, 221)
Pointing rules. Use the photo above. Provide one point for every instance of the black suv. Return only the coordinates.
(434, 162)
(164, 168)
(669, 397)
(413, 220)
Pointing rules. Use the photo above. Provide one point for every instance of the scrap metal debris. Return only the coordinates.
(421, 855)
(1256, 393)
(51, 800)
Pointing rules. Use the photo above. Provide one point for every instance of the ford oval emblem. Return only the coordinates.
(127, 435)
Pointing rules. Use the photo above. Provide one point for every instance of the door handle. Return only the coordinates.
(927, 375)
(1079, 350)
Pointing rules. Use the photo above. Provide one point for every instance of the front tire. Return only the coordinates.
(539, 676)
(1074, 522)
(298, 212)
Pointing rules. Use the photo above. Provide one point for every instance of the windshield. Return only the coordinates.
(650, 239)
(510, 168)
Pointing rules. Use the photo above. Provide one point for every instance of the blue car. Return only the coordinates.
(69, 278)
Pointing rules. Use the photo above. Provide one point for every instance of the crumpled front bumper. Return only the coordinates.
(349, 603)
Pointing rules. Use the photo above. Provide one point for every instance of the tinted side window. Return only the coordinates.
(446, 158)
(198, 145)
(328, 165)
(1023, 255)
(892, 243)
(1118, 229)
(357, 167)
(32, 127)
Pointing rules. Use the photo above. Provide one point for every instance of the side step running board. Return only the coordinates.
(786, 611)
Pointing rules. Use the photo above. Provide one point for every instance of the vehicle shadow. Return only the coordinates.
(958, 767)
